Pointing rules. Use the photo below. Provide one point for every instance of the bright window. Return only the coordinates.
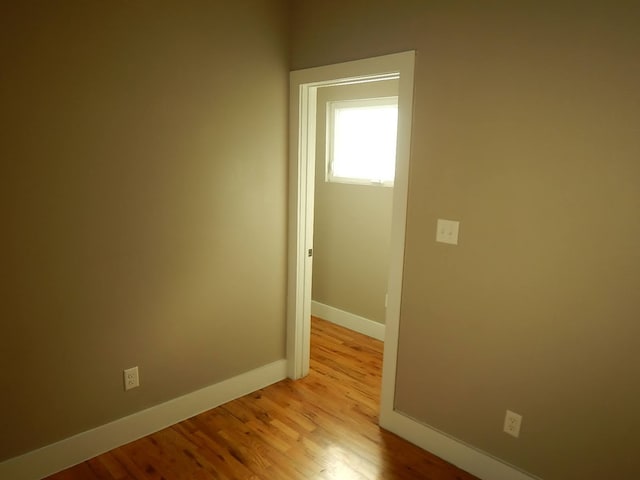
(361, 141)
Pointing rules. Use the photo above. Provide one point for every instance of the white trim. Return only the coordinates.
(398, 230)
(302, 118)
(83, 446)
(303, 88)
(348, 320)
(465, 457)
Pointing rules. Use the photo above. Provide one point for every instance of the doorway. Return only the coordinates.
(353, 198)
(304, 87)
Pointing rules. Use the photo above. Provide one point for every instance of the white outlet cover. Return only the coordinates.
(447, 231)
(512, 423)
(131, 378)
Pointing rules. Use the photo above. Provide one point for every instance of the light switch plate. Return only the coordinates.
(447, 231)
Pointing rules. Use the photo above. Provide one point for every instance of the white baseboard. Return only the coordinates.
(83, 446)
(348, 320)
(476, 462)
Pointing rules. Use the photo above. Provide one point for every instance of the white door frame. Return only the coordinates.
(304, 85)
(302, 125)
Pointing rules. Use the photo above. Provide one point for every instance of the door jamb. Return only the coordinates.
(302, 118)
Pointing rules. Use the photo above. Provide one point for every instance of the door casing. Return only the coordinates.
(302, 132)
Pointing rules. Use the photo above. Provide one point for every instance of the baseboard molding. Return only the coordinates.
(73, 450)
(476, 462)
(348, 320)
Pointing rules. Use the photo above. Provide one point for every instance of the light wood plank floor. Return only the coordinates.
(321, 427)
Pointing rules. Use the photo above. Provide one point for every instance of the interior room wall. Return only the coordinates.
(525, 129)
(352, 224)
(143, 202)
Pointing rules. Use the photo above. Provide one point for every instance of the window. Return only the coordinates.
(361, 141)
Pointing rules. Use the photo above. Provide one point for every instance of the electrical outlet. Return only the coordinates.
(131, 378)
(447, 231)
(512, 422)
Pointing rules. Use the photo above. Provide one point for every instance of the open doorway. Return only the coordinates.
(356, 137)
(303, 113)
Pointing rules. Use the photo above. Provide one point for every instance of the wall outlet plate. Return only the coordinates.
(131, 378)
(512, 423)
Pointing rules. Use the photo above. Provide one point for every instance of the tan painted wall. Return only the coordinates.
(352, 224)
(526, 128)
(143, 202)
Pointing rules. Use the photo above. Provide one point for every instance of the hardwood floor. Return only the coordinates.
(321, 427)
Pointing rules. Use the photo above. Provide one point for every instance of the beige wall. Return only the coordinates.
(526, 127)
(143, 202)
(352, 224)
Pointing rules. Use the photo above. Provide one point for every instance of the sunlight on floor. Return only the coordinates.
(345, 465)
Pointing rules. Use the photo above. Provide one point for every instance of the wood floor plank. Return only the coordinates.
(321, 427)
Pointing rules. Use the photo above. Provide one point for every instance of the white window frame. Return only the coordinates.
(330, 127)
